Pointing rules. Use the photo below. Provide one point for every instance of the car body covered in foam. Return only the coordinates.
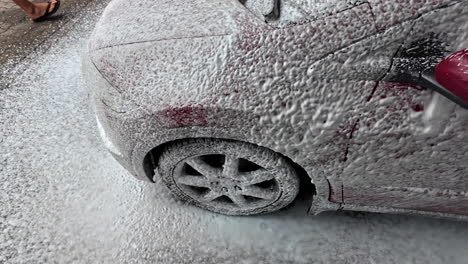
(324, 83)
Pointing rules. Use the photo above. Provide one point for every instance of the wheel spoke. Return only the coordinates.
(231, 166)
(258, 192)
(210, 196)
(197, 181)
(202, 167)
(258, 176)
(237, 199)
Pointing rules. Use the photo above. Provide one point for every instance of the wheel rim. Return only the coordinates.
(227, 182)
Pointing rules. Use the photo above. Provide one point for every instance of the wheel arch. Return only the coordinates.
(152, 157)
(148, 148)
(308, 184)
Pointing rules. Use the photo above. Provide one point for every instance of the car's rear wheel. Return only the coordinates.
(228, 177)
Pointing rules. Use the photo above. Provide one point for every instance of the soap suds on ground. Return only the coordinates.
(64, 199)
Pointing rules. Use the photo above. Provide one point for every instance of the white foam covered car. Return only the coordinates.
(235, 104)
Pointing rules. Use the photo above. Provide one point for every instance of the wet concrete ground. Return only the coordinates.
(19, 36)
(63, 199)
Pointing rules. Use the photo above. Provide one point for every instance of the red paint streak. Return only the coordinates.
(187, 116)
(340, 141)
(353, 129)
(418, 108)
(447, 207)
(405, 96)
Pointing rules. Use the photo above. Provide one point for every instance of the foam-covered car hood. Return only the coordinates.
(125, 22)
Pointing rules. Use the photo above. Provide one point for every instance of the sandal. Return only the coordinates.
(48, 13)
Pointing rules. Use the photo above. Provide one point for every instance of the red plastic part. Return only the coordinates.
(452, 73)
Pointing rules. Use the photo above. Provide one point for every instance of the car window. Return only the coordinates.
(287, 12)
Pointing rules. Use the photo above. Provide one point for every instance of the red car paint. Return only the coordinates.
(452, 73)
(186, 116)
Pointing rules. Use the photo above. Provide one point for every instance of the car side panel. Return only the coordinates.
(410, 152)
(257, 86)
(410, 148)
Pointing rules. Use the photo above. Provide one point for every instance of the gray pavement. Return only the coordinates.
(63, 199)
(19, 36)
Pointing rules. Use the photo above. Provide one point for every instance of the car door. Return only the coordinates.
(410, 146)
(333, 54)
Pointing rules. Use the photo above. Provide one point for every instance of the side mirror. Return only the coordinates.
(268, 9)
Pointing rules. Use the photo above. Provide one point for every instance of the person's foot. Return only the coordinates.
(40, 9)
